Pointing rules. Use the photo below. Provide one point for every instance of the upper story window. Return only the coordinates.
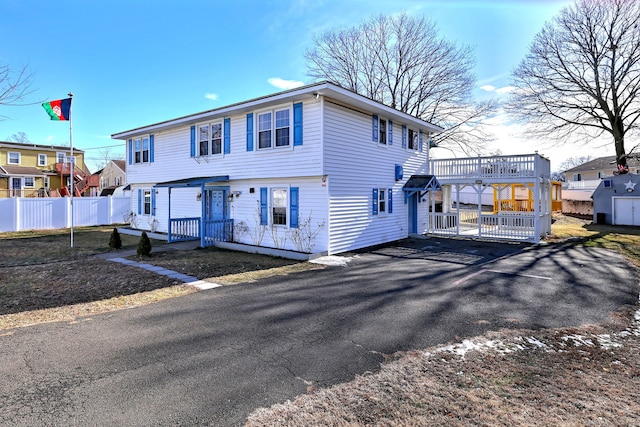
(60, 157)
(382, 130)
(412, 140)
(42, 160)
(577, 177)
(13, 158)
(274, 128)
(210, 139)
(382, 127)
(141, 150)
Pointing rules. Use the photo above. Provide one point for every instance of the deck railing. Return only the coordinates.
(182, 229)
(220, 230)
(511, 226)
(495, 167)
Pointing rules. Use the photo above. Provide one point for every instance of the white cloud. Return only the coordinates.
(50, 138)
(488, 88)
(284, 84)
(505, 89)
(211, 96)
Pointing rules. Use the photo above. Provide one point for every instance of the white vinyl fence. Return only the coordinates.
(27, 213)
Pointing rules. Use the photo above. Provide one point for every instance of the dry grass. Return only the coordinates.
(569, 377)
(43, 280)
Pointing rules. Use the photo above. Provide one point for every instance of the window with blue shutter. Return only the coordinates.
(374, 205)
(390, 201)
(250, 132)
(151, 149)
(153, 202)
(227, 135)
(193, 141)
(375, 128)
(130, 151)
(404, 136)
(264, 212)
(140, 201)
(297, 124)
(293, 207)
(390, 137)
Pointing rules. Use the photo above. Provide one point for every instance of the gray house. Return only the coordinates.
(616, 200)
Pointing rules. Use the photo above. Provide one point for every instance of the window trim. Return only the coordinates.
(414, 145)
(141, 150)
(272, 206)
(146, 192)
(210, 139)
(383, 203)
(33, 182)
(44, 157)
(273, 141)
(60, 154)
(9, 153)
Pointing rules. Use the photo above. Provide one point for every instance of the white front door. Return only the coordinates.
(16, 186)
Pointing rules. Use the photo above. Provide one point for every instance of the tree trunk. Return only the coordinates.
(621, 155)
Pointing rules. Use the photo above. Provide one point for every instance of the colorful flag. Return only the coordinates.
(58, 110)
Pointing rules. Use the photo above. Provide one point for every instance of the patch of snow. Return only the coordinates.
(332, 260)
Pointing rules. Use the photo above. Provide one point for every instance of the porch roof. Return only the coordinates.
(192, 182)
(421, 183)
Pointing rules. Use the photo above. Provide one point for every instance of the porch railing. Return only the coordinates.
(512, 226)
(182, 229)
(219, 230)
(485, 167)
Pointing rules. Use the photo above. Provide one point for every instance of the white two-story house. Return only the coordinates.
(317, 169)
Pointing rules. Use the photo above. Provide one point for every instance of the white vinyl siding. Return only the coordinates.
(352, 224)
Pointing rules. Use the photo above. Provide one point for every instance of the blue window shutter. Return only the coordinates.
(227, 135)
(250, 132)
(420, 140)
(390, 136)
(374, 206)
(151, 148)
(264, 213)
(399, 172)
(390, 201)
(139, 201)
(404, 136)
(153, 202)
(293, 207)
(130, 151)
(375, 128)
(297, 124)
(193, 141)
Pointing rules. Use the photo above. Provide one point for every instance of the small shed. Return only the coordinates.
(616, 200)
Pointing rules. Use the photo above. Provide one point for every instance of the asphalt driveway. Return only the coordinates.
(212, 357)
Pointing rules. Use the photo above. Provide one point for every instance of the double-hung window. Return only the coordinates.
(412, 142)
(147, 202)
(274, 128)
(382, 128)
(60, 157)
(141, 149)
(29, 182)
(138, 151)
(210, 139)
(279, 206)
(13, 157)
(42, 160)
(382, 201)
(145, 150)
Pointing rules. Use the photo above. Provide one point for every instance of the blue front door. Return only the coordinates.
(413, 213)
(214, 205)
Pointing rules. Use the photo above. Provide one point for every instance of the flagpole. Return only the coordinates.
(73, 164)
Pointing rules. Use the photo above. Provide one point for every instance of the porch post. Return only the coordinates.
(202, 218)
(169, 216)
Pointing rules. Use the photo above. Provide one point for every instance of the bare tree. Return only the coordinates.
(15, 86)
(581, 76)
(105, 155)
(569, 163)
(21, 137)
(402, 62)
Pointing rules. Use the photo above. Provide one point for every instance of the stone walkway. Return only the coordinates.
(119, 257)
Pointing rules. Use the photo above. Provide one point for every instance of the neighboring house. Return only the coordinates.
(113, 175)
(617, 200)
(582, 180)
(317, 169)
(32, 170)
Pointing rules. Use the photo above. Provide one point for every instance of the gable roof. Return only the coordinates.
(314, 90)
(30, 146)
(120, 164)
(603, 163)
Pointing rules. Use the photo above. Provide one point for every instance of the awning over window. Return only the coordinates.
(192, 182)
(420, 183)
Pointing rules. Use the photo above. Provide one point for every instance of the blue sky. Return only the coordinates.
(130, 62)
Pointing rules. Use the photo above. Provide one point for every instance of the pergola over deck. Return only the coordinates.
(494, 173)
